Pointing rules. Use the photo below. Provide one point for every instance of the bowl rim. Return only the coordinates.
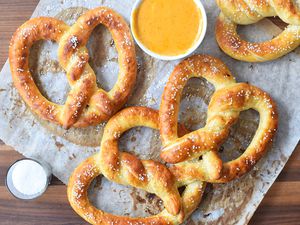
(164, 57)
(30, 197)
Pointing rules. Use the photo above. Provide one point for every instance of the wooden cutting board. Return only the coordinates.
(280, 206)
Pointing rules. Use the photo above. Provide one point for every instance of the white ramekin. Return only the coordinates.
(163, 57)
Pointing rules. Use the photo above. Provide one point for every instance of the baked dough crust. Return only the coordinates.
(86, 104)
(127, 169)
(229, 99)
(246, 12)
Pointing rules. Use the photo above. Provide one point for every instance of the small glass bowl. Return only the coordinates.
(17, 194)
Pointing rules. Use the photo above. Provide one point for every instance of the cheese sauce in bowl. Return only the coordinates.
(168, 29)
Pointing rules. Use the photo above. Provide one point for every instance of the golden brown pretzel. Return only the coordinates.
(86, 104)
(127, 169)
(248, 12)
(229, 99)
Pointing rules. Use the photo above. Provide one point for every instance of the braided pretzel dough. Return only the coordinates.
(127, 169)
(249, 12)
(229, 99)
(86, 104)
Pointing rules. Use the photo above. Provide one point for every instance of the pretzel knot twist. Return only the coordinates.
(251, 11)
(86, 104)
(127, 169)
(229, 99)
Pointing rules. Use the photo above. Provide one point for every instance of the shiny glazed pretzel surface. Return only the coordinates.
(229, 99)
(251, 11)
(86, 104)
(127, 169)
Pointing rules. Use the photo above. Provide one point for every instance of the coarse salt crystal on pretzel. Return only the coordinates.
(228, 100)
(86, 104)
(127, 169)
(251, 11)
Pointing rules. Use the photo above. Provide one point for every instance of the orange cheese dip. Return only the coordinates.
(167, 27)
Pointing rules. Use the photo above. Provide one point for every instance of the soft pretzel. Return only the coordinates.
(229, 99)
(248, 12)
(127, 169)
(86, 104)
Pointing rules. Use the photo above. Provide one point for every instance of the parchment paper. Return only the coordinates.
(232, 203)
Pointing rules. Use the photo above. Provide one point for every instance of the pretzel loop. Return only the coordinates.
(127, 169)
(85, 104)
(224, 108)
(251, 11)
(200, 141)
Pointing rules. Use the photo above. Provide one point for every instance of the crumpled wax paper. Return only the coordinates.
(232, 203)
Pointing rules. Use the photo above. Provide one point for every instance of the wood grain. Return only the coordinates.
(280, 206)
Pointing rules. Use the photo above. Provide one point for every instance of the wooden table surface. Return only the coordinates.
(281, 205)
